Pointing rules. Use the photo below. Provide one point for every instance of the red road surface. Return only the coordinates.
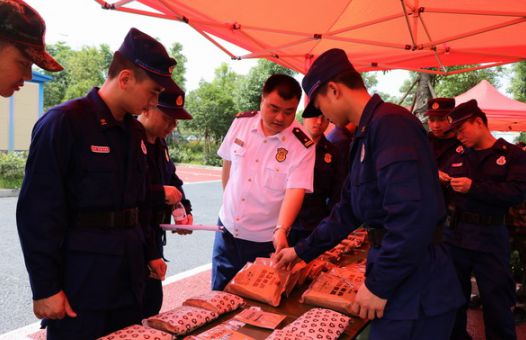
(192, 174)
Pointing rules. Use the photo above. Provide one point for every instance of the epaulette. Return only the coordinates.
(302, 137)
(246, 114)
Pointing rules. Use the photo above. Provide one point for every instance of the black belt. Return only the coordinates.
(107, 220)
(376, 235)
(474, 218)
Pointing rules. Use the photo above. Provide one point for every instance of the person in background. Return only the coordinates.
(159, 122)
(442, 140)
(485, 180)
(268, 163)
(341, 137)
(328, 181)
(411, 290)
(78, 210)
(22, 44)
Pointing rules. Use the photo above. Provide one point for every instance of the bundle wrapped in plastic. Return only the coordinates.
(137, 332)
(260, 281)
(332, 292)
(317, 266)
(354, 272)
(216, 301)
(223, 331)
(180, 320)
(295, 274)
(318, 323)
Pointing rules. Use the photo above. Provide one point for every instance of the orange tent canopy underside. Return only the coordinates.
(420, 35)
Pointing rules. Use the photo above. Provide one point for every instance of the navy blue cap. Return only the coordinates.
(171, 102)
(440, 107)
(328, 65)
(463, 112)
(150, 55)
(22, 25)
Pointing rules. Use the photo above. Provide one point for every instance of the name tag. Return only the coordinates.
(100, 149)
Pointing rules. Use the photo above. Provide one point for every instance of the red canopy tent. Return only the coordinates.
(504, 114)
(420, 35)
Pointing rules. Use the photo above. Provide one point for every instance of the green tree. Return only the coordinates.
(518, 81)
(248, 92)
(178, 75)
(521, 137)
(455, 84)
(213, 108)
(82, 70)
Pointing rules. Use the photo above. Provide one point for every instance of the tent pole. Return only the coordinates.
(408, 91)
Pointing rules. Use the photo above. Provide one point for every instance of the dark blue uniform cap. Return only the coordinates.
(22, 25)
(328, 65)
(463, 112)
(440, 107)
(150, 55)
(171, 102)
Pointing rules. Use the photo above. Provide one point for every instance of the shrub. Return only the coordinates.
(12, 166)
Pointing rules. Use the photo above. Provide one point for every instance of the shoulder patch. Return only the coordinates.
(302, 137)
(246, 114)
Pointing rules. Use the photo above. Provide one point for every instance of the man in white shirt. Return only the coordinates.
(268, 163)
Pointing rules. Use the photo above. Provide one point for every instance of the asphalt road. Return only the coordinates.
(184, 252)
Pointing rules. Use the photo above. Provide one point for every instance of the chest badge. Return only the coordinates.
(281, 154)
(501, 160)
(460, 149)
(143, 147)
(239, 142)
(327, 158)
(100, 149)
(362, 153)
(167, 155)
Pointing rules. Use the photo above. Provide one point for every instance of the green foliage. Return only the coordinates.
(212, 105)
(178, 75)
(521, 138)
(12, 166)
(187, 152)
(83, 69)
(248, 92)
(453, 85)
(518, 81)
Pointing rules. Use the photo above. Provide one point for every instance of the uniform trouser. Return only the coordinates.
(429, 328)
(230, 254)
(153, 297)
(496, 288)
(89, 325)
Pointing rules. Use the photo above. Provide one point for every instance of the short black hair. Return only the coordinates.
(286, 86)
(482, 117)
(351, 79)
(119, 63)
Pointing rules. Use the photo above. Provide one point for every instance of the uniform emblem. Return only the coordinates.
(103, 121)
(179, 101)
(362, 153)
(456, 165)
(459, 149)
(239, 142)
(281, 154)
(501, 160)
(167, 155)
(143, 147)
(435, 106)
(100, 149)
(327, 158)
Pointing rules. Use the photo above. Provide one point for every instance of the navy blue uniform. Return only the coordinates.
(84, 165)
(341, 138)
(161, 172)
(393, 186)
(327, 185)
(477, 234)
(443, 149)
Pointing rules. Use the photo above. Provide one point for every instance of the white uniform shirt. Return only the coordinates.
(263, 168)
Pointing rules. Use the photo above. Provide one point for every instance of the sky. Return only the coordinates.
(84, 23)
